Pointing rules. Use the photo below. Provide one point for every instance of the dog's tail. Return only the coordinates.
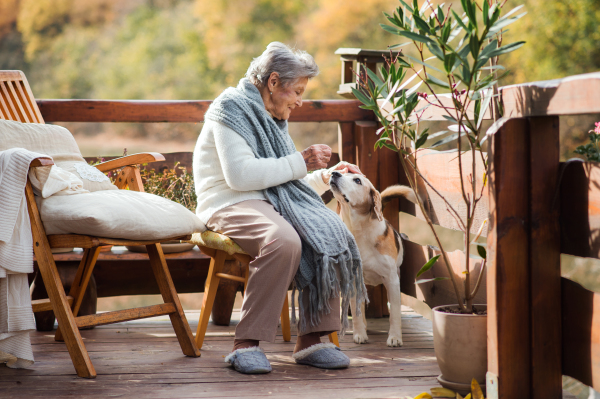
(398, 191)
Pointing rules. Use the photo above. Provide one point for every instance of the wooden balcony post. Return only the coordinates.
(508, 282)
(524, 287)
(544, 255)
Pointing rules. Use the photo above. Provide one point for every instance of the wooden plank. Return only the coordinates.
(368, 162)
(185, 111)
(580, 209)
(169, 294)
(134, 159)
(544, 255)
(8, 103)
(508, 284)
(30, 97)
(81, 241)
(442, 171)
(118, 316)
(346, 146)
(43, 305)
(580, 333)
(41, 162)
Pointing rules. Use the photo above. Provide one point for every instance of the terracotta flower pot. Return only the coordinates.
(460, 342)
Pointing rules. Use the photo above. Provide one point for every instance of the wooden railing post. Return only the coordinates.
(524, 317)
(544, 255)
(508, 282)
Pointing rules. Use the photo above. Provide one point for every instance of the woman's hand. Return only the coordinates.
(316, 156)
(342, 167)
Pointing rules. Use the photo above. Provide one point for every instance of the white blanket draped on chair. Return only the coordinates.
(16, 254)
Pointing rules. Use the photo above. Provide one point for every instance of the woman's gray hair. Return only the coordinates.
(290, 64)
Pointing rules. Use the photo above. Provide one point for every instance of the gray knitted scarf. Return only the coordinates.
(326, 242)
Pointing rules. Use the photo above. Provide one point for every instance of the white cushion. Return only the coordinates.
(57, 142)
(121, 214)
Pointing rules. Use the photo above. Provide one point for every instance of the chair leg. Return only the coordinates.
(169, 294)
(79, 355)
(80, 282)
(210, 291)
(285, 320)
(333, 338)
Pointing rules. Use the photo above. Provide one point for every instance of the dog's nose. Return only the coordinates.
(336, 175)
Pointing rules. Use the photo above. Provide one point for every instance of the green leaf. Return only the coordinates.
(501, 23)
(422, 25)
(436, 50)
(391, 29)
(446, 32)
(449, 118)
(418, 61)
(437, 134)
(459, 21)
(432, 79)
(449, 62)
(474, 45)
(486, 13)
(399, 45)
(428, 265)
(376, 79)
(482, 252)
(409, 8)
(361, 97)
(422, 139)
(445, 140)
(511, 12)
(431, 279)
(507, 49)
(493, 45)
(415, 36)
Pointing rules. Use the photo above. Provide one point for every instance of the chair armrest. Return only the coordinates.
(41, 162)
(134, 159)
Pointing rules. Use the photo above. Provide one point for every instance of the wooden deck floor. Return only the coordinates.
(142, 359)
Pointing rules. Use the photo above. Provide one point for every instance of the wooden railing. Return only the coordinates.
(540, 326)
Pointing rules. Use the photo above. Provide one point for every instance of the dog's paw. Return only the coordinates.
(361, 338)
(394, 340)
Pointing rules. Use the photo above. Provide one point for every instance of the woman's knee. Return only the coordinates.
(286, 239)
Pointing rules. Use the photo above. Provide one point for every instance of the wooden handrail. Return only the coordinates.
(185, 111)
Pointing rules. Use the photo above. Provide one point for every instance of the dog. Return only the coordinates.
(380, 245)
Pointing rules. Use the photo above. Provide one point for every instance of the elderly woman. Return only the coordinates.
(254, 187)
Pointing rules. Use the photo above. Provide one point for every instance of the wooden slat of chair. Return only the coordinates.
(18, 103)
(8, 103)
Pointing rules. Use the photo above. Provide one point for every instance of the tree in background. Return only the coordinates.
(563, 39)
(187, 49)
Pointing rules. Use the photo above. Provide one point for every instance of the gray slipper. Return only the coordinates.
(325, 356)
(249, 361)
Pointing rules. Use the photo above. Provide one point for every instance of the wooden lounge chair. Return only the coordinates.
(221, 248)
(18, 104)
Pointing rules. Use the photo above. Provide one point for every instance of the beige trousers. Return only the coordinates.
(275, 246)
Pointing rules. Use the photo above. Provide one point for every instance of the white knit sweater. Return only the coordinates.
(227, 172)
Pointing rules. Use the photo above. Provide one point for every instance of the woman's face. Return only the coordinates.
(285, 99)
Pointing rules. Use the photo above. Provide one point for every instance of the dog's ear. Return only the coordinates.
(339, 208)
(376, 212)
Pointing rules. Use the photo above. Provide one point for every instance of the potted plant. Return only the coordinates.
(457, 52)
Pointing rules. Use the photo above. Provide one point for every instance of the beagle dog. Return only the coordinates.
(380, 246)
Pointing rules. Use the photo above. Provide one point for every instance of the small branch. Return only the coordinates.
(476, 288)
